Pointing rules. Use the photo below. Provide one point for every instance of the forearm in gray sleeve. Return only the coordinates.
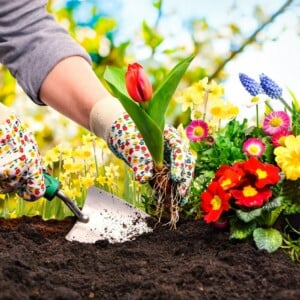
(32, 43)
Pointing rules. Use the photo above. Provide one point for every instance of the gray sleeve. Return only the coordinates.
(32, 43)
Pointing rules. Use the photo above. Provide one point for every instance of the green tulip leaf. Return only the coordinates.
(151, 133)
(163, 94)
(116, 77)
(268, 239)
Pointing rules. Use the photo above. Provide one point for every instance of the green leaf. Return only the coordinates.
(273, 204)
(151, 37)
(157, 4)
(291, 196)
(151, 133)
(268, 239)
(248, 216)
(116, 78)
(240, 230)
(163, 94)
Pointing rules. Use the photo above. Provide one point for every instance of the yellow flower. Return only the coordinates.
(221, 109)
(216, 90)
(202, 85)
(71, 166)
(101, 180)
(288, 157)
(111, 181)
(87, 181)
(186, 100)
(112, 170)
(88, 138)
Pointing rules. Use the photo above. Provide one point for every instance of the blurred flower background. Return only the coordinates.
(227, 37)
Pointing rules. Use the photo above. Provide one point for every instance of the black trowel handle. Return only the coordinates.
(53, 189)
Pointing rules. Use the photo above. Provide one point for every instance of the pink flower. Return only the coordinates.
(197, 131)
(138, 84)
(279, 137)
(254, 147)
(275, 122)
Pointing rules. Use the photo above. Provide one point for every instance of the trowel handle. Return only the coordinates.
(52, 186)
(53, 189)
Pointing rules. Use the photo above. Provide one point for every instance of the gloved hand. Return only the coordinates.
(126, 142)
(20, 162)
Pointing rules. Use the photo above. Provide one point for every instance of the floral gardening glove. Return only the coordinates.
(126, 142)
(20, 162)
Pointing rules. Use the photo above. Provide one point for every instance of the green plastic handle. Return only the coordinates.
(52, 186)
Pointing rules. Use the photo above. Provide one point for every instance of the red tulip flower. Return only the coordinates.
(137, 83)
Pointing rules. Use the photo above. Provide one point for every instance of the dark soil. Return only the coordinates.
(192, 262)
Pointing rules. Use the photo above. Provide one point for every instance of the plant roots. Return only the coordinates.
(167, 197)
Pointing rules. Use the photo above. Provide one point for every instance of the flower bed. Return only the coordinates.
(247, 176)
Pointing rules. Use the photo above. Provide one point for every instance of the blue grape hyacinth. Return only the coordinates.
(271, 88)
(252, 86)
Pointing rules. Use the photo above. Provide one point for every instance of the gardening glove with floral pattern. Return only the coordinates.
(126, 143)
(20, 162)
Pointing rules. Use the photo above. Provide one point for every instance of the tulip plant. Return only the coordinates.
(147, 109)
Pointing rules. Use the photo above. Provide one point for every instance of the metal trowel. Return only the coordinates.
(103, 216)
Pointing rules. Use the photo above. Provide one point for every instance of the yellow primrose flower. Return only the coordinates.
(221, 109)
(54, 154)
(87, 181)
(202, 85)
(112, 170)
(88, 138)
(100, 143)
(231, 111)
(68, 164)
(101, 180)
(288, 157)
(216, 90)
(196, 115)
(110, 181)
(86, 152)
(217, 111)
(186, 101)
(48, 158)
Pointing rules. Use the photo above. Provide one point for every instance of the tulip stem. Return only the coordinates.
(144, 105)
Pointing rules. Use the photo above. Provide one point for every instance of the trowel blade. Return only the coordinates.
(110, 218)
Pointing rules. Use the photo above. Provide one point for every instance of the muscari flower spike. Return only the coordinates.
(252, 86)
(270, 87)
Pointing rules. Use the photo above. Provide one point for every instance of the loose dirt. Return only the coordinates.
(195, 261)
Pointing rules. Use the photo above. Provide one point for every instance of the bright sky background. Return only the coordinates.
(279, 59)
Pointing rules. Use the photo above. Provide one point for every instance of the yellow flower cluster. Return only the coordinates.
(81, 167)
(206, 101)
(77, 168)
